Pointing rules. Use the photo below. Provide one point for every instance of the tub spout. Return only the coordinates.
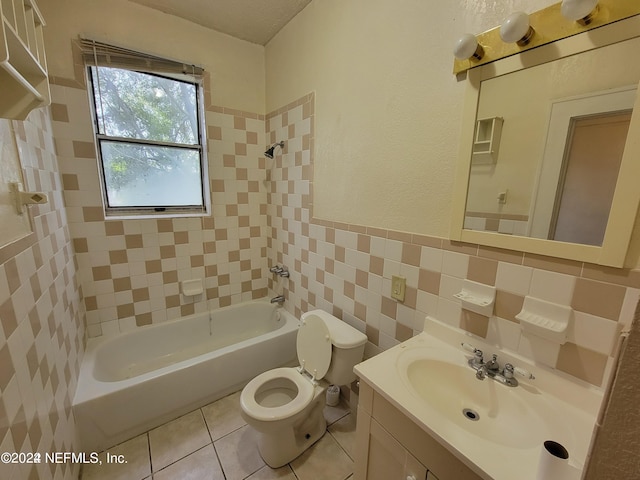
(279, 299)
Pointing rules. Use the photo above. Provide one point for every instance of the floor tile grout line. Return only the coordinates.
(185, 456)
(149, 451)
(342, 414)
(340, 445)
(182, 458)
(215, 451)
(213, 442)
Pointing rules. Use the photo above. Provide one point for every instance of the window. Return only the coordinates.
(149, 140)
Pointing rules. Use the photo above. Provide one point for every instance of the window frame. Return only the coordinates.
(159, 211)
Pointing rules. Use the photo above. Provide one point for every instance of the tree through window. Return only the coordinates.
(149, 141)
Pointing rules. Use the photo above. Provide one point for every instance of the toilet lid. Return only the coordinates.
(314, 346)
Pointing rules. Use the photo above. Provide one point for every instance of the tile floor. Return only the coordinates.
(214, 443)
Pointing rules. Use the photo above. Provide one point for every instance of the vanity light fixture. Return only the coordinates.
(517, 29)
(555, 22)
(581, 11)
(467, 47)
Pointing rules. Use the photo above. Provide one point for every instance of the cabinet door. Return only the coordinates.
(431, 476)
(389, 460)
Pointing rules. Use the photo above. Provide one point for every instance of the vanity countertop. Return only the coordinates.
(425, 378)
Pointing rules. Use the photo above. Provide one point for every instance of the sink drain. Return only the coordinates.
(471, 414)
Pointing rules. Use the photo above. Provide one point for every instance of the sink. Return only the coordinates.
(508, 416)
(496, 430)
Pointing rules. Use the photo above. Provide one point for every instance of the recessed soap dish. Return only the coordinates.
(191, 288)
(545, 319)
(477, 297)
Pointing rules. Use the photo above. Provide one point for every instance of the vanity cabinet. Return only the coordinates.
(387, 458)
(390, 446)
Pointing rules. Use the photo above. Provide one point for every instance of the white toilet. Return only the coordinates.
(285, 405)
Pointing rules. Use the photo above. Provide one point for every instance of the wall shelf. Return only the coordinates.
(486, 142)
(545, 319)
(477, 297)
(24, 82)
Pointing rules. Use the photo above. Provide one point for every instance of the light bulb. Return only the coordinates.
(467, 47)
(581, 11)
(516, 29)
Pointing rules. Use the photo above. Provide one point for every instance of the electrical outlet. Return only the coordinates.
(398, 287)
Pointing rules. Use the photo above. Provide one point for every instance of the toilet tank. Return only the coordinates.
(347, 348)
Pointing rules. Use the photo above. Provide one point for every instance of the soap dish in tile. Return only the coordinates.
(545, 319)
(477, 297)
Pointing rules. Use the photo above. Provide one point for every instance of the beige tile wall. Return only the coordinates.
(347, 269)
(41, 319)
(131, 269)
(263, 214)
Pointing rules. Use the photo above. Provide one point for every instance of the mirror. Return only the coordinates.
(549, 144)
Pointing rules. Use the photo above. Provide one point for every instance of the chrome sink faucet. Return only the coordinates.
(492, 369)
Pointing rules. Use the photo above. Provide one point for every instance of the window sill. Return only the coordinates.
(156, 216)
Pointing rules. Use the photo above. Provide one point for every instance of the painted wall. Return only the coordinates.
(375, 145)
(388, 106)
(387, 116)
(615, 453)
(236, 67)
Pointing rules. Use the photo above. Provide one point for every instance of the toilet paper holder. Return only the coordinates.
(554, 462)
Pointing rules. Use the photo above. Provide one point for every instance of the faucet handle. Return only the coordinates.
(477, 359)
(493, 363)
(508, 371)
(524, 373)
(468, 347)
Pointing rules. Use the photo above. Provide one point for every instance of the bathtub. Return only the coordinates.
(135, 381)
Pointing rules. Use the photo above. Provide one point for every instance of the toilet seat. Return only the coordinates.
(304, 396)
(313, 344)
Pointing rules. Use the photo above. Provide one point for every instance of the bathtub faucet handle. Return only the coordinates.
(278, 299)
(280, 270)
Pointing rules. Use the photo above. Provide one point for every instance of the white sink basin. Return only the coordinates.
(496, 430)
(484, 408)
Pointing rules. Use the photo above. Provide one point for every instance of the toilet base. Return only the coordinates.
(277, 448)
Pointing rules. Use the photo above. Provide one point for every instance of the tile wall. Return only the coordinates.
(263, 214)
(347, 269)
(42, 323)
(131, 269)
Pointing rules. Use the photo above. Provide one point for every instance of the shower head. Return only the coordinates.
(269, 152)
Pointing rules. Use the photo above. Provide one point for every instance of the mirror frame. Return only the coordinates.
(626, 199)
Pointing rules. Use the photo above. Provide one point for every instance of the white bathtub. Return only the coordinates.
(132, 382)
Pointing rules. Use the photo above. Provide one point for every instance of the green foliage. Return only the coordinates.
(147, 107)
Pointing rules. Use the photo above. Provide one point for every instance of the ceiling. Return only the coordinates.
(256, 21)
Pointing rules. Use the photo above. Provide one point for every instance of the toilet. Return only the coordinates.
(285, 405)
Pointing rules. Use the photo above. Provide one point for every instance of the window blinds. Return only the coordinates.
(102, 54)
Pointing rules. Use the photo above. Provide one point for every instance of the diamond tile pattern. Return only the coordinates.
(42, 325)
